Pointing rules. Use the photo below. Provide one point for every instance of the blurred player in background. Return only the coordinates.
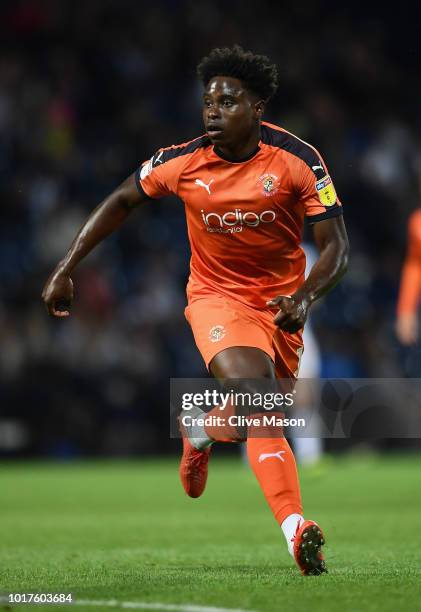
(308, 450)
(410, 288)
(247, 187)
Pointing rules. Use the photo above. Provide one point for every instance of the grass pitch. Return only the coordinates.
(127, 532)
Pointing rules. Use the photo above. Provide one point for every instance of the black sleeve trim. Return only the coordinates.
(164, 155)
(295, 146)
(336, 211)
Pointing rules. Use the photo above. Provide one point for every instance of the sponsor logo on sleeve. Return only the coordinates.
(326, 191)
(146, 169)
(149, 165)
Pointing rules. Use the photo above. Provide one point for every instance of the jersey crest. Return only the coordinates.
(269, 183)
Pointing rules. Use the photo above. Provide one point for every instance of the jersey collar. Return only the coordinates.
(240, 160)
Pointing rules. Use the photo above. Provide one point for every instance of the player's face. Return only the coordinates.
(230, 112)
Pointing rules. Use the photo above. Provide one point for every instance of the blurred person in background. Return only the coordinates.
(407, 315)
(247, 296)
(407, 328)
(308, 450)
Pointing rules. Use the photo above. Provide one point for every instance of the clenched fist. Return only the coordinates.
(292, 312)
(58, 294)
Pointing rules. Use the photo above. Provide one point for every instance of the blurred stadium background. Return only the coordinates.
(88, 90)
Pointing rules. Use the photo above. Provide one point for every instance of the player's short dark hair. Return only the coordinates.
(256, 72)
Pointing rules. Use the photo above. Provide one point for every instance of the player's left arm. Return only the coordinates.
(332, 242)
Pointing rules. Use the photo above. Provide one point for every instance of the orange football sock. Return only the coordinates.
(273, 464)
(222, 431)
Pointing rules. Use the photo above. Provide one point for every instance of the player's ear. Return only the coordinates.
(259, 108)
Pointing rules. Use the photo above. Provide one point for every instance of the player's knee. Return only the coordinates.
(247, 363)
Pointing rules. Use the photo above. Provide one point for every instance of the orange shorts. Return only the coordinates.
(219, 323)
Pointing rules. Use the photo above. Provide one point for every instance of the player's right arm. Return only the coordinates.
(105, 219)
(410, 286)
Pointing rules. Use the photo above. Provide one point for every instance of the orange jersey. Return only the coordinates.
(245, 219)
(410, 289)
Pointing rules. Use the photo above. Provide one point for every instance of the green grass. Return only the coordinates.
(127, 531)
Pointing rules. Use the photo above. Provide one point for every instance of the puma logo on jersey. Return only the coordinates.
(279, 454)
(319, 167)
(202, 184)
(158, 159)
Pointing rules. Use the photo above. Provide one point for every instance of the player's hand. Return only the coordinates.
(58, 295)
(407, 329)
(292, 312)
